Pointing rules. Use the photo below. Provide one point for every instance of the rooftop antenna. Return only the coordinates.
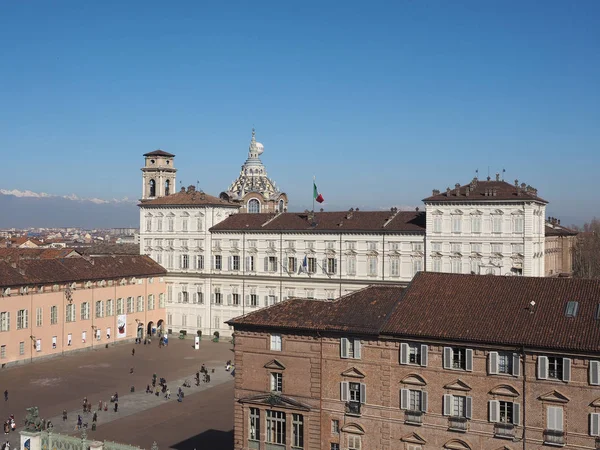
(197, 184)
(476, 173)
(503, 172)
(488, 173)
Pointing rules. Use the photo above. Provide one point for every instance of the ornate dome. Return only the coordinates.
(253, 176)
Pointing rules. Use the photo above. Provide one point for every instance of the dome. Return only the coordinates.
(260, 148)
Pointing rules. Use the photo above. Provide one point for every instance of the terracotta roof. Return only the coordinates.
(363, 311)
(497, 310)
(558, 230)
(479, 190)
(338, 221)
(158, 152)
(188, 197)
(46, 271)
(23, 239)
(16, 253)
(111, 249)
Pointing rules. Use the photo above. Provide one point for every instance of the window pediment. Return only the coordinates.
(506, 390)
(350, 252)
(518, 212)
(372, 253)
(413, 438)
(457, 444)
(458, 385)
(353, 428)
(554, 396)
(476, 213)
(274, 364)
(353, 372)
(437, 212)
(596, 403)
(457, 212)
(414, 379)
(275, 400)
(497, 212)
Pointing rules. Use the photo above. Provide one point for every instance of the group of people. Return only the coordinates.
(9, 424)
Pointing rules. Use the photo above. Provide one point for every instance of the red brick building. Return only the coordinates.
(451, 361)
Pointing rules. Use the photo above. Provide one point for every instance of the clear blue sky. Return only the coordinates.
(382, 101)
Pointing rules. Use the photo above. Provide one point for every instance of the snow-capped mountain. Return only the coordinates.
(23, 209)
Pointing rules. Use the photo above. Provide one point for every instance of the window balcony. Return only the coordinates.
(504, 430)
(553, 437)
(413, 417)
(353, 408)
(458, 424)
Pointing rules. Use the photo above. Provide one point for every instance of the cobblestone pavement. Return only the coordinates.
(62, 382)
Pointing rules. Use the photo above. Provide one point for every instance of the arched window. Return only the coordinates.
(254, 206)
(167, 185)
(152, 188)
(280, 205)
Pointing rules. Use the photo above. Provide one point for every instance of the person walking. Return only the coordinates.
(100, 405)
(168, 394)
(116, 406)
(95, 418)
(64, 415)
(6, 395)
(133, 352)
(79, 422)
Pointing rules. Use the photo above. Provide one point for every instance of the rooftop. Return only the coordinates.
(159, 152)
(188, 197)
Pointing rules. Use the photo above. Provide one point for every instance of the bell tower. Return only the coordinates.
(158, 175)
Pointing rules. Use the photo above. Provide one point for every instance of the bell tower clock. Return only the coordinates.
(158, 175)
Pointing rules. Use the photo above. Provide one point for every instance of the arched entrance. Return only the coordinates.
(160, 325)
(140, 330)
(151, 329)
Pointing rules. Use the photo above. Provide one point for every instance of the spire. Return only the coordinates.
(253, 135)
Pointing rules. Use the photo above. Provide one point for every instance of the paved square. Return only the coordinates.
(205, 417)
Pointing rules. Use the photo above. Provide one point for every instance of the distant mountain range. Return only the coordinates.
(23, 209)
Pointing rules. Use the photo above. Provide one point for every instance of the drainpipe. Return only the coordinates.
(524, 439)
(340, 266)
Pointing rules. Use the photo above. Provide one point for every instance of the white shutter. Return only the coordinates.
(424, 355)
(566, 375)
(559, 418)
(247, 263)
(229, 299)
(493, 363)
(447, 357)
(469, 361)
(542, 368)
(247, 300)
(357, 349)
(516, 413)
(594, 424)
(468, 407)
(404, 398)
(494, 410)
(448, 405)
(554, 418)
(594, 373)
(344, 391)
(363, 393)
(344, 348)
(516, 364)
(424, 401)
(266, 264)
(335, 266)
(230, 263)
(212, 299)
(324, 266)
(403, 353)
(266, 300)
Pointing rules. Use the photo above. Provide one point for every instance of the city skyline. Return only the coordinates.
(381, 104)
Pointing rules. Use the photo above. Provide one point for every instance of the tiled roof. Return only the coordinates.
(363, 311)
(558, 230)
(16, 253)
(110, 249)
(338, 221)
(497, 310)
(46, 271)
(188, 197)
(479, 190)
(158, 152)
(457, 308)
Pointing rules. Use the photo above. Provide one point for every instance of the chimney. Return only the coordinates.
(467, 190)
(559, 221)
(488, 178)
(448, 191)
(517, 183)
(182, 189)
(497, 176)
(457, 189)
(436, 192)
(311, 216)
(417, 209)
(356, 209)
(349, 213)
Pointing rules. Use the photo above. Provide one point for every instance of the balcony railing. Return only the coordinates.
(458, 424)
(504, 430)
(414, 417)
(353, 408)
(553, 437)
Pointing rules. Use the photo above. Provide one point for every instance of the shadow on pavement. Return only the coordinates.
(213, 439)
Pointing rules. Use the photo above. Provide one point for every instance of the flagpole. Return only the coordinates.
(313, 196)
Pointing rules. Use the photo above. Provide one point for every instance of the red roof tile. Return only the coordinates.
(479, 190)
(188, 197)
(158, 152)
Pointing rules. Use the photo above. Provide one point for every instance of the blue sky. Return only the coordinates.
(382, 101)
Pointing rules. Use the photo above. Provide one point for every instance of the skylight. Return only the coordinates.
(572, 308)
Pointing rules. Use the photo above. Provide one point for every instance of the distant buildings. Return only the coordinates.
(459, 362)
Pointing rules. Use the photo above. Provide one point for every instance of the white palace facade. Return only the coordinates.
(232, 254)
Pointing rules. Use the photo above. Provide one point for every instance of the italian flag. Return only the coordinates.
(316, 195)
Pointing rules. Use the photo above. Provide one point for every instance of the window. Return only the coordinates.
(140, 303)
(372, 261)
(2, 351)
(395, 267)
(235, 263)
(350, 245)
(38, 317)
(334, 446)
(496, 224)
(70, 313)
(120, 309)
(411, 353)
(170, 224)
(21, 348)
(218, 297)
(161, 300)
(218, 262)
(276, 382)
(476, 247)
(351, 265)
(496, 248)
(436, 264)
(85, 311)
(458, 358)
(413, 400)
(476, 224)
(437, 224)
(331, 266)
(517, 248)
(372, 246)
(254, 424)
(312, 265)
(554, 368)
(354, 392)
(276, 342)
(594, 373)
(417, 265)
(253, 300)
(456, 265)
(436, 246)
(353, 442)
(184, 320)
(235, 299)
(149, 224)
(169, 319)
(518, 224)
(456, 223)
(151, 302)
(503, 363)
(350, 348)
(594, 424)
(254, 206)
(329, 294)
(310, 245)
(130, 305)
(53, 315)
(22, 319)
(297, 431)
(504, 412)
(292, 264)
(99, 308)
(276, 427)
(458, 406)
(455, 247)
(185, 261)
(184, 225)
(554, 418)
(335, 426)
(250, 264)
